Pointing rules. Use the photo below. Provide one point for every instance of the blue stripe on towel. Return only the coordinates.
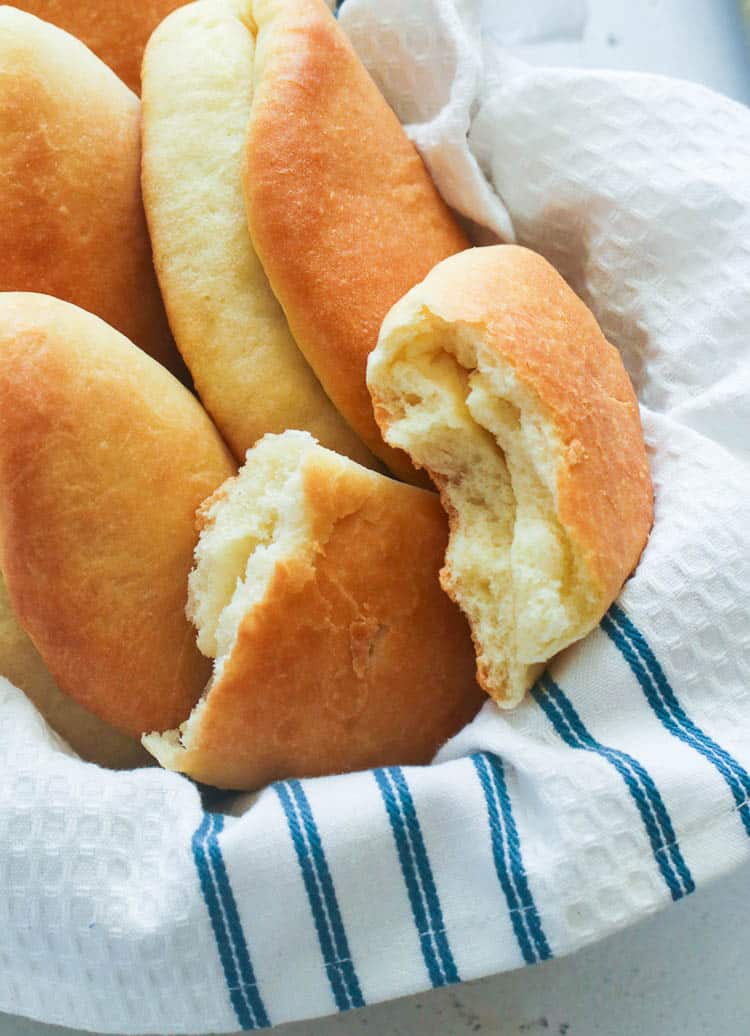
(425, 873)
(341, 943)
(644, 665)
(226, 925)
(509, 865)
(566, 721)
(418, 877)
(321, 895)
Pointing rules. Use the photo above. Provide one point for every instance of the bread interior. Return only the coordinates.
(462, 413)
(250, 524)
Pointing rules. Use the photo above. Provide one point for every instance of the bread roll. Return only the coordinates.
(71, 215)
(316, 593)
(116, 30)
(495, 377)
(341, 210)
(231, 331)
(104, 458)
(87, 735)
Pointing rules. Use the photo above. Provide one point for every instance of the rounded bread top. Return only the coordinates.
(71, 215)
(116, 30)
(342, 211)
(104, 459)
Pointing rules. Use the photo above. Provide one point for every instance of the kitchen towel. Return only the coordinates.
(129, 904)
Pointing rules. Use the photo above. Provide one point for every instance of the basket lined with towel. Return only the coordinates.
(619, 786)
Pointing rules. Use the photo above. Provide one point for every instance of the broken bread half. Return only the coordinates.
(495, 377)
(316, 592)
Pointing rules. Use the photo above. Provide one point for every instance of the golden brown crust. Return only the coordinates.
(93, 740)
(104, 458)
(229, 327)
(342, 212)
(535, 323)
(116, 30)
(71, 215)
(357, 659)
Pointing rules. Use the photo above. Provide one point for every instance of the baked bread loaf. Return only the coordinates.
(93, 740)
(116, 30)
(342, 212)
(495, 377)
(315, 591)
(231, 331)
(104, 458)
(71, 215)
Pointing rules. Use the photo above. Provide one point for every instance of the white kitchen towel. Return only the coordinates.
(129, 905)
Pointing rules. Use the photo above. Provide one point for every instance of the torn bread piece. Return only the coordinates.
(495, 378)
(316, 592)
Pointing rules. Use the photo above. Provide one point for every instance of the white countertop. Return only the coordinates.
(684, 970)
